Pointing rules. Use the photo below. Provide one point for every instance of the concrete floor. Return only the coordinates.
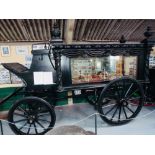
(78, 115)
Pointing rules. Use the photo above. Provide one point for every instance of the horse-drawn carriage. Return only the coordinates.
(117, 97)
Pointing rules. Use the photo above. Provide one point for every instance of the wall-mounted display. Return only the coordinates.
(4, 76)
(15, 79)
(22, 50)
(152, 61)
(5, 50)
(28, 60)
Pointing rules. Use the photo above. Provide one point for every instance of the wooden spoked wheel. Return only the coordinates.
(31, 116)
(92, 96)
(121, 101)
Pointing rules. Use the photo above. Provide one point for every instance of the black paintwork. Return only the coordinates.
(61, 65)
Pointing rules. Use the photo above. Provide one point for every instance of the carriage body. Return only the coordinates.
(61, 65)
(123, 92)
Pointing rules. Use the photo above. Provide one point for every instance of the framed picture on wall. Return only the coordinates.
(5, 50)
(22, 50)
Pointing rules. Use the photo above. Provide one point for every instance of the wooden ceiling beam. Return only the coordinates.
(52, 22)
(29, 24)
(77, 28)
(134, 29)
(83, 29)
(13, 31)
(117, 26)
(14, 24)
(139, 33)
(120, 29)
(44, 29)
(61, 27)
(1, 38)
(103, 28)
(110, 27)
(89, 29)
(35, 29)
(98, 27)
(68, 38)
(22, 28)
(48, 32)
(39, 28)
(6, 30)
(128, 27)
(103, 36)
(94, 28)
(3, 35)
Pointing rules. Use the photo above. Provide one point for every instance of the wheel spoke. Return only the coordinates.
(128, 90)
(109, 96)
(21, 109)
(120, 108)
(19, 114)
(132, 93)
(43, 120)
(114, 113)
(40, 124)
(129, 109)
(20, 120)
(108, 99)
(29, 129)
(35, 128)
(31, 115)
(96, 95)
(125, 113)
(92, 98)
(118, 93)
(135, 98)
(127, 98)
(123, 89)
(110, 109)
(22, 126)
(43, 114)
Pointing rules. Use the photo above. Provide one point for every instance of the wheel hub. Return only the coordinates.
(123, 102)
(31, 119)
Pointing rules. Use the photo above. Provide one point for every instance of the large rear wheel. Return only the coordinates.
(121, 101)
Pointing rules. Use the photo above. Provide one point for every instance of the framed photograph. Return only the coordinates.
(5, 50)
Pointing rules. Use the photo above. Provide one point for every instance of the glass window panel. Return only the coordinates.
(130, 66)
(88, 70)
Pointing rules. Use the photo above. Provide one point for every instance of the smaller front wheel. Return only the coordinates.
(31, 115)
(92, 96)
(121, 101)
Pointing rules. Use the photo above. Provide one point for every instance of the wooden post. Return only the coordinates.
(68, 38)
(69, 28)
